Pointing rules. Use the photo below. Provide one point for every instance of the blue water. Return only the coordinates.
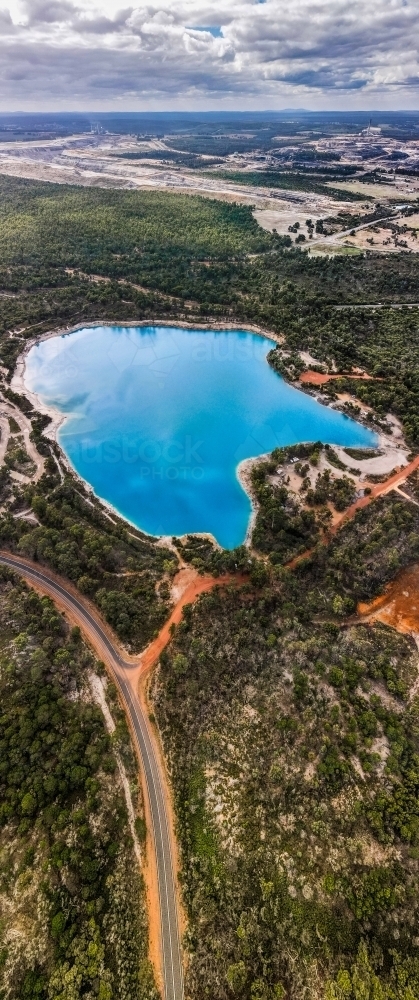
(158, 418)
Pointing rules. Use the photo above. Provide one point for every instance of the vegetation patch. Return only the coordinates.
(291, 181)
(117, 568)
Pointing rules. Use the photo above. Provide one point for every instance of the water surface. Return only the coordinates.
(158, 418)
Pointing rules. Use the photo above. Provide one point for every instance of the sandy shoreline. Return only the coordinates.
(57, 418)
(18, 385)
(244, 476)
(393, 451)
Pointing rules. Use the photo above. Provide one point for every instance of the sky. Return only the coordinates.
(195, 55)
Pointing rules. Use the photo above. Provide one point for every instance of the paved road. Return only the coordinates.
(335, 237)
(121, 669)
(378, 305)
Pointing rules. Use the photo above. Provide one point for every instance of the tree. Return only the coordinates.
(236, 977)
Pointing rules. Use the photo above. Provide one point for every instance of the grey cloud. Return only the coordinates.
(5, 19)
(101, 25)
(75, 72)
(323, 79)
(48, 11)
(293, 37)
(307, 46)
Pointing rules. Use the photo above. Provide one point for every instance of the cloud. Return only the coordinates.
(48, 12)
(5, 20)
(62, 50)
(101, 25)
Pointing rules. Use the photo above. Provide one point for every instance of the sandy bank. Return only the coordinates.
(18, 385)
(394, 452)
(244, 475)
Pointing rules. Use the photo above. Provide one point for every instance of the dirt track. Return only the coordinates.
(129, 673)
(201, 585)
(376, 491)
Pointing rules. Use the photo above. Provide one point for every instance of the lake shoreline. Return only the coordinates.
(244, 475)
(220, 326)
(18, 385)
(243, 468)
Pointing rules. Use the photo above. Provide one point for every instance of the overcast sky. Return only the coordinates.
(191, 54)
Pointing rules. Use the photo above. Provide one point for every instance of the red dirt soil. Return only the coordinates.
(318, 378)
(376, 491)
(399, 605)
(200, 585)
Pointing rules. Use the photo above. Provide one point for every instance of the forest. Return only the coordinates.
(297, 180)
(118, 568)
(167, 254)
(73, 920)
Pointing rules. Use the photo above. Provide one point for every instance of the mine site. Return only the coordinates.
(337, 194)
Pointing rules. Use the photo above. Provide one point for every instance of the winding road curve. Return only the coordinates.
(126, 673)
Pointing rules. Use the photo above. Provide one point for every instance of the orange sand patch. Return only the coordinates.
(399, 605)
(318, 378)
(314, 378)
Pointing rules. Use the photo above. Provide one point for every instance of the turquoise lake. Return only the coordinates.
(158, 418)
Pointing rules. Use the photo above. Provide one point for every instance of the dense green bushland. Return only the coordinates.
(190, 248)
(169, 256)
(282, 528)
(362, 557)
(205, 557)
(47, 226)
(295, 758)
(71, 899)
(117, 568)
(162, 242)
(384, 342)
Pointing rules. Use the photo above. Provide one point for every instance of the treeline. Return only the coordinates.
(210, 255)
(383, 342)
